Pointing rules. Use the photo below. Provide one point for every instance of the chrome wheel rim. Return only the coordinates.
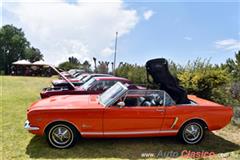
(61, 135)
(192, 133)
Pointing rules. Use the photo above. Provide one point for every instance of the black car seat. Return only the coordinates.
(146, 103)
(157, 101)
(142, 101)
(131, 102)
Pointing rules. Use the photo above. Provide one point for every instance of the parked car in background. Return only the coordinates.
(95, 85)
(120, 112)
(72, 73)
(75, 72)
(66, 74)
(78, 81)
(75, 80)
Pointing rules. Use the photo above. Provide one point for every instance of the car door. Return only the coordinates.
(172, 115)
(129, 120)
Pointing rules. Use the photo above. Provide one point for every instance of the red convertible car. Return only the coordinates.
(120, 112)
(95, 85)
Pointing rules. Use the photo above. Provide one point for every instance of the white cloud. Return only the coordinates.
(228, 44)
(148, 14)
(188, 38)
(107, 51)
(83, 29)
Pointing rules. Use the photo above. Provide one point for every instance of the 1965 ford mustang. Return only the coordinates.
(120, 112)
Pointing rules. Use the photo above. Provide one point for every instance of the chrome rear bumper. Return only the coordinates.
(28, 127)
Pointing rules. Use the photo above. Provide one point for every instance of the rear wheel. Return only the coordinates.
(192, 132)
(62, 135)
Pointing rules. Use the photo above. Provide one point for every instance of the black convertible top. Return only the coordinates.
(158, 69)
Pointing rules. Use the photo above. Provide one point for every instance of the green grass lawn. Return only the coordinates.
(17, 93)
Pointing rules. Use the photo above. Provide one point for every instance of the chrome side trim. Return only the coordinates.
(92, 133)
(174, 122)
(141, 132)
(130, 133)
(30, 128)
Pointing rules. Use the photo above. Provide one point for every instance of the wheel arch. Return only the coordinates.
(47, 127)
(202, 121)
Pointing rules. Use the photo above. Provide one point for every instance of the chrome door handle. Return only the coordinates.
(160, 110)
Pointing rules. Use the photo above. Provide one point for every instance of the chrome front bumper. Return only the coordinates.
(28, 127)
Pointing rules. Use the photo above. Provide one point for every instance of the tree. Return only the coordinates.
(103, 67)
(204, 80)
(95, 64)
(233, 66)
(67, 66)
(12, 46)
(33, 54)
(135, 73)
(235, 90)
(112, 67)
(74, 60)
(72, 63)
(86, 66)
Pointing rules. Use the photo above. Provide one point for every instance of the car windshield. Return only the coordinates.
(111, 95)
(88, 84)
(85, 79)
(80, 77)
(72, 71)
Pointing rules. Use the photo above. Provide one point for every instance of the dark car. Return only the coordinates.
(95, 85)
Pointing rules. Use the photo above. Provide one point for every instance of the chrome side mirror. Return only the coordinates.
(121, 104)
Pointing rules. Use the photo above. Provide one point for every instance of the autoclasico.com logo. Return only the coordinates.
(175, 154)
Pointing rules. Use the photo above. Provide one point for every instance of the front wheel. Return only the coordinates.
(62, 135)
(192, 132)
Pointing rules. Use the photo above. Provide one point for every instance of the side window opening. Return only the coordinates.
(168, 101)
(151, 100)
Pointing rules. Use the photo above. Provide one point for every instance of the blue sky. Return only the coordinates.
(179, 31)
(183, 31)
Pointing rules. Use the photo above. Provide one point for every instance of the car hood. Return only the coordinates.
(66, 102)
(59, 81)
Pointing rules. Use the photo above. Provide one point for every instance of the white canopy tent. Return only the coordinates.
(41, 62)
(38, 68)
(22, 62)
